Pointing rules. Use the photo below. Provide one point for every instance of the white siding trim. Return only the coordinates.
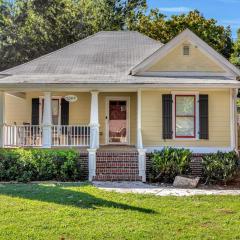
(233, 119)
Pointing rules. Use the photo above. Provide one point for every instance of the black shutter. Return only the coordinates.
(203, 117)
(64, 112)
(167, 116)
(35, 111)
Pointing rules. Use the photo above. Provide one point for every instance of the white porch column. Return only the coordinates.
(47, 120)
(94, 122)
(141, 151)
(94, 135)
(139, 119)
(2, 117)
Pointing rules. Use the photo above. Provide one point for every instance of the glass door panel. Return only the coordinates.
(118, 121)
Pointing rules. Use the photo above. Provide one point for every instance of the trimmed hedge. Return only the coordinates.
(25, 165)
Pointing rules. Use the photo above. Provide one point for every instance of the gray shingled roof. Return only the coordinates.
(103, 58)
(104, 53)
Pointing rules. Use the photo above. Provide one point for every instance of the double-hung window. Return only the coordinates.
(185, 116)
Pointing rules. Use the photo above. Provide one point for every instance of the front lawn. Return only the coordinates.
(75, 211)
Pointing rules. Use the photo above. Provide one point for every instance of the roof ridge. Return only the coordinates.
(49, 54)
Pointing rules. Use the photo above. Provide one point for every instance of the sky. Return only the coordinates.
(226, 12)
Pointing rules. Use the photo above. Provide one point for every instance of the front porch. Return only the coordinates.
(45, 119)
(101, 125)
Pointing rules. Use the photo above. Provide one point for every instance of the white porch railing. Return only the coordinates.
(71, 135)
(31, 135)
(22, 135)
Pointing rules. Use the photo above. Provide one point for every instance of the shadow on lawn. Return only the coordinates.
(60, 195)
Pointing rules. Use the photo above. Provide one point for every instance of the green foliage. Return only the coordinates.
(158, 27)
(32, 28)
(169, 163)
(220, 167)
(38, 164)
(235, 57)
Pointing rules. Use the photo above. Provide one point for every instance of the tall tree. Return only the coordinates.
(235, 57)
(157, 26)
(36, 27)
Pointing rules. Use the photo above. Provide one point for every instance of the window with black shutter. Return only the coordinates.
(64, 112)
(167, 116)
(35, 111)
(203, 117)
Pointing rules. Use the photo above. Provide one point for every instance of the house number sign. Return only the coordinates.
(71, 98)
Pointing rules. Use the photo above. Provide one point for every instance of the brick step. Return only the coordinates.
(117, 153)
(117, 164)
(117, 160)
(127, 163)
(116, 170)
(117, 177)
(117, 156)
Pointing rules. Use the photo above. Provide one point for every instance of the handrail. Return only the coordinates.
(70, 135)
(31, 135)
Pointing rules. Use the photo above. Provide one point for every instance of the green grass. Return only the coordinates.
(75, 211)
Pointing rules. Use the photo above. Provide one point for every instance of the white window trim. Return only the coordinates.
(196, 94)
(40, 108)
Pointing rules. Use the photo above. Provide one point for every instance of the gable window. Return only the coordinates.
(185, 116)
(186, 50)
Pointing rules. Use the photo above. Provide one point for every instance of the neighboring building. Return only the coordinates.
(120, 94)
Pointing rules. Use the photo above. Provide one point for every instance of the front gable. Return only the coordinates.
(196, 61)
(171, 60)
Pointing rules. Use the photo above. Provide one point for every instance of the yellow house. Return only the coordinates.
(118, 95)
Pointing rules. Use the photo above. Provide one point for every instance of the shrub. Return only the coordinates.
(38, 164)
(220, 167)
(169, 163)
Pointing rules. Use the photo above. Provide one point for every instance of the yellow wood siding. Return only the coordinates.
(16, 110)
(219, 120)
(197, 61)
(19, 111)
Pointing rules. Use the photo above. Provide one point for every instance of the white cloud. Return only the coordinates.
(175, 9)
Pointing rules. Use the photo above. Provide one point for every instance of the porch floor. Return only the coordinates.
(117, 148)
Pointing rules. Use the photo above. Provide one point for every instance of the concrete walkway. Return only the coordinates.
(142, 188)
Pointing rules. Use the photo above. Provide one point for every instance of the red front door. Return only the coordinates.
(117, 122)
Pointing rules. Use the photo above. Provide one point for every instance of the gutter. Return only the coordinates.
(73, 87)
